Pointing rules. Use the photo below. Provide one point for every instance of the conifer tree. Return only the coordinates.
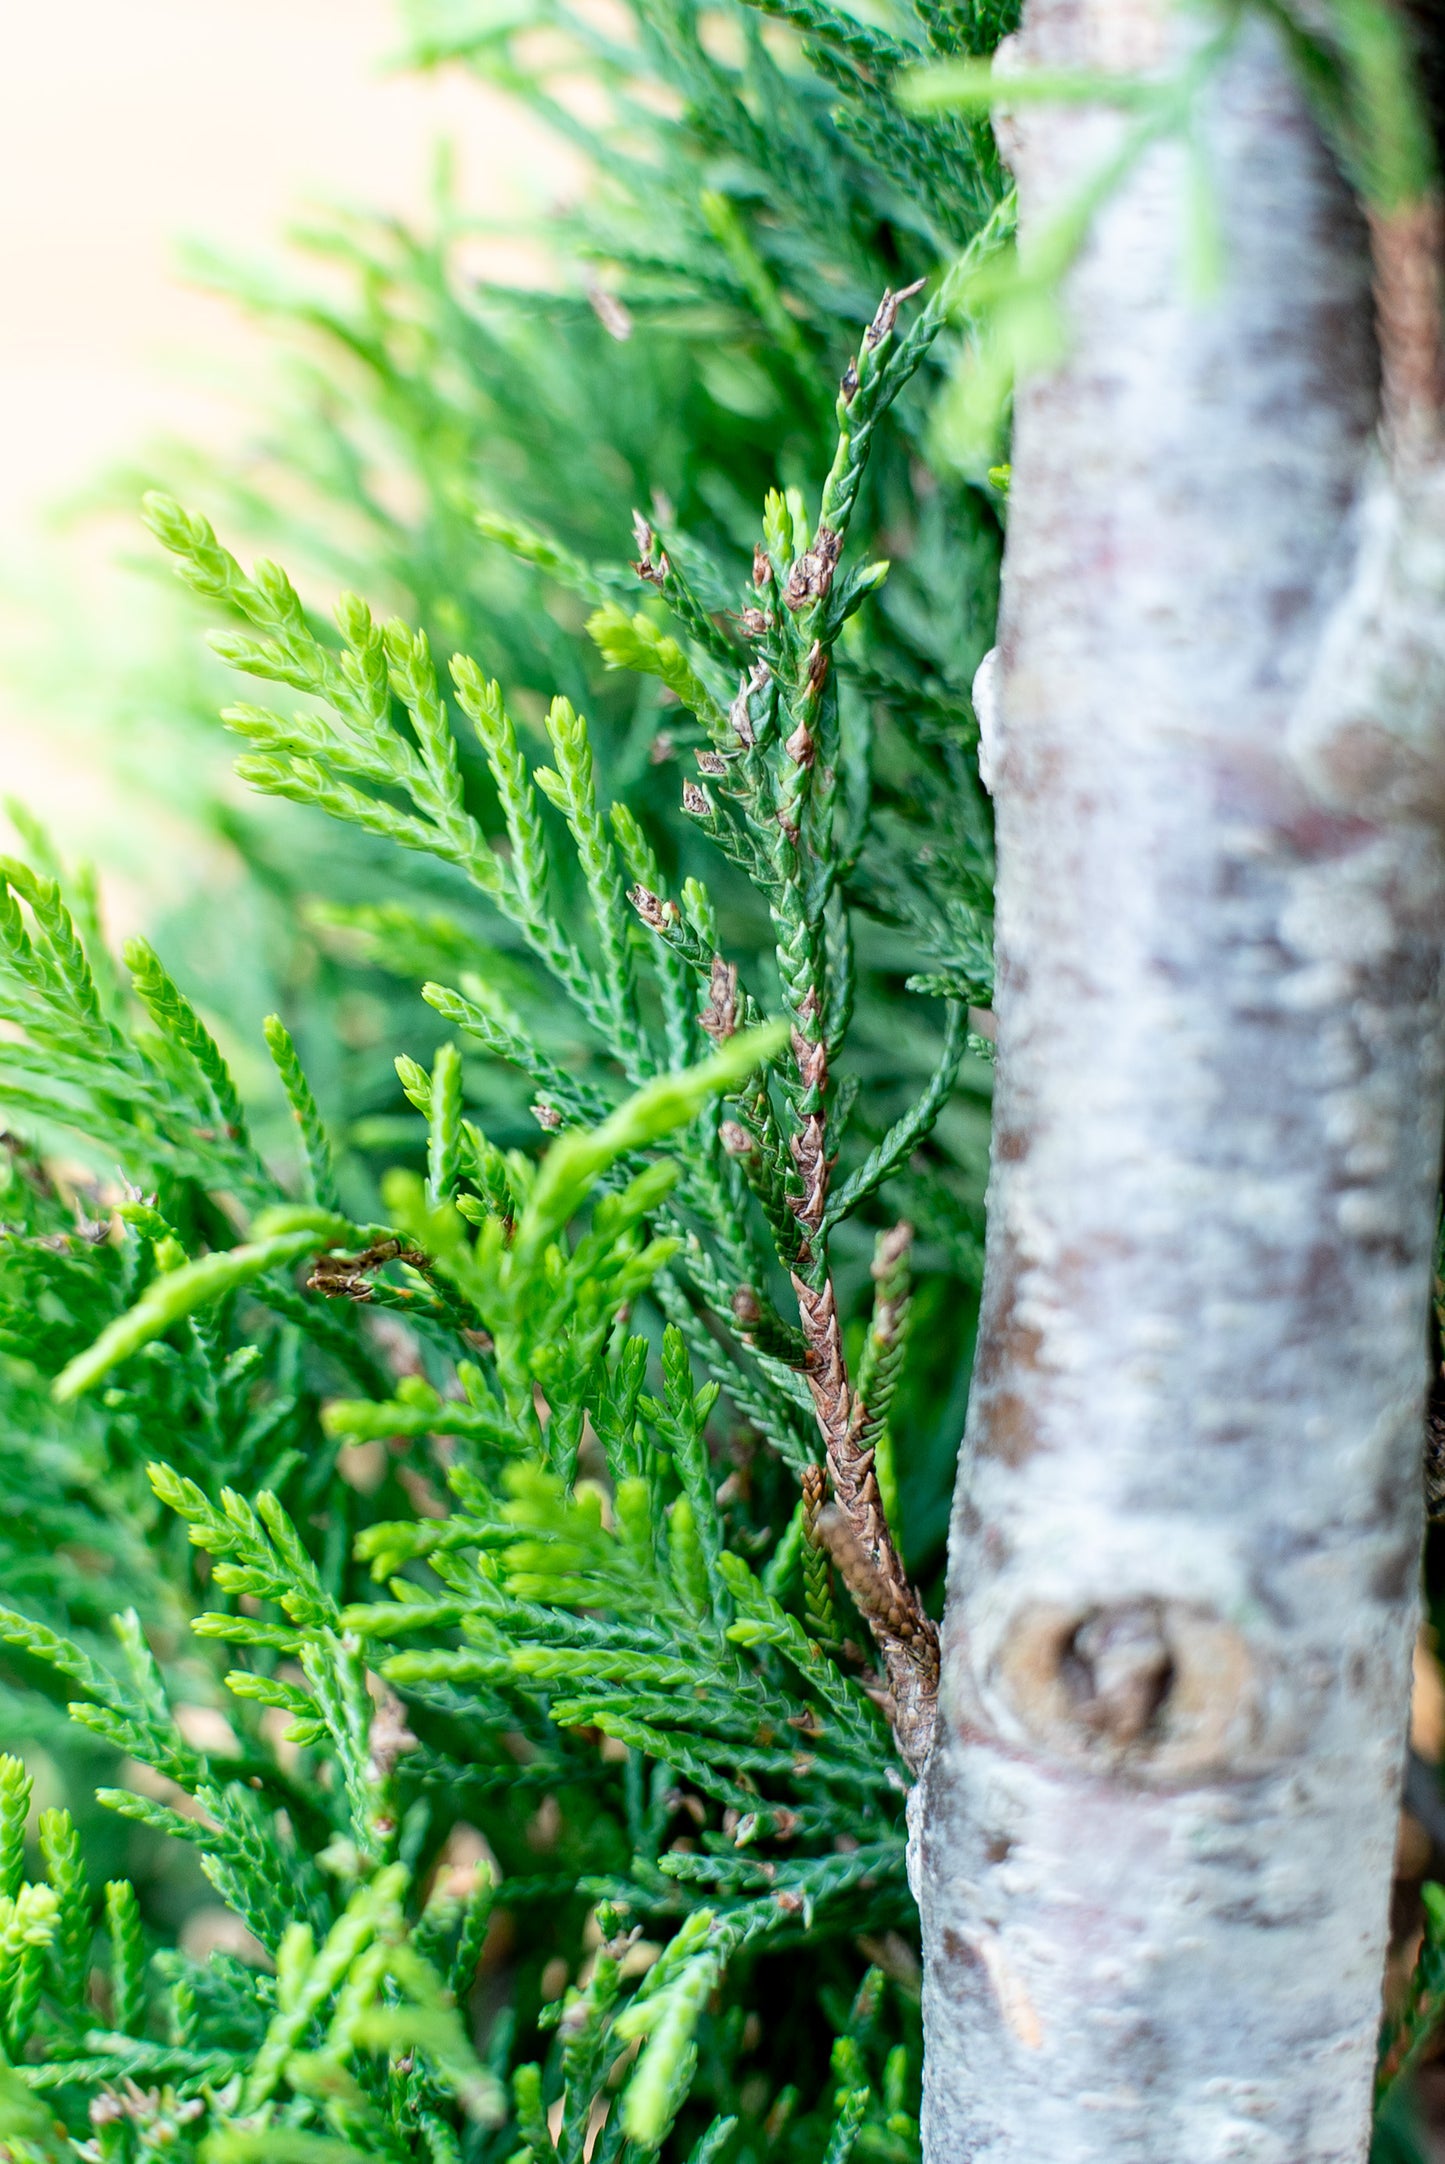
(491, 1532)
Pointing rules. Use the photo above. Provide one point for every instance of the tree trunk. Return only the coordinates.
(1156, 1831)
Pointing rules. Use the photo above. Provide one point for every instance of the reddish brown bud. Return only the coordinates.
(801, 747)
(655, 915)
(654, 571)
(887, 314)
(719, 1017)
(812, 575)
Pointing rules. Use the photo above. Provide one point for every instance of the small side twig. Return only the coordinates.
(1408, 248)
(347, 1277)
(855, 1530)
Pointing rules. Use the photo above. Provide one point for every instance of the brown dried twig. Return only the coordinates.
(855, 1530)
(347, 1277)
(1408, 246)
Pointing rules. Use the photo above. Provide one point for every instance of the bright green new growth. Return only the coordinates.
(176, 1294)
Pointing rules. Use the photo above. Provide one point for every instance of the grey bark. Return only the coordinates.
(1153, 1841)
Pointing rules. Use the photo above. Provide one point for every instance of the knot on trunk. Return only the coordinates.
(1158, 1689)
(1118, 1671)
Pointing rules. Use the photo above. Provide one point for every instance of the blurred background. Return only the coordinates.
(133, 140)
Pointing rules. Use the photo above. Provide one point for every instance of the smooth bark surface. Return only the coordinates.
(1155, 1834)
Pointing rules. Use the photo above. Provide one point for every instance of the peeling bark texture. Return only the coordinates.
(1153, 1841)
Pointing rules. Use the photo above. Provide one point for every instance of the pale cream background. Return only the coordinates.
(126, 125)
